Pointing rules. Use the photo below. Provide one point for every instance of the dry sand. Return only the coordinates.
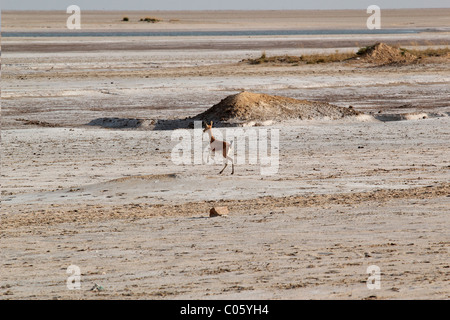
(307, 252)
(349, 193)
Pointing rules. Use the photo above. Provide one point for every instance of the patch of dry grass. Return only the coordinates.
(303, 59)
(339, 56)
(429, 52)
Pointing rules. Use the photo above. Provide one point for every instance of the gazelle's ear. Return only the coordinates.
(211, 123)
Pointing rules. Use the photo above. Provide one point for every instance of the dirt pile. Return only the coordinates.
(248, 106)
(382, 54)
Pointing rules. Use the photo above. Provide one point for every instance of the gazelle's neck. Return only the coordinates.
(211, 138)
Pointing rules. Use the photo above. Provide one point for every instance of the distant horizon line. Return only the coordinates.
(188, 10)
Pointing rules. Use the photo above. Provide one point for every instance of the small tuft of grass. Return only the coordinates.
(363, 50)
(125, 19)
(261, 59)
(150, 19)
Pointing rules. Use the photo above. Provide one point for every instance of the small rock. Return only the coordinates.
(218, 211)
(97, 288)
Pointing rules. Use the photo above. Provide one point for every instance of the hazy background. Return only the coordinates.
(218, 4)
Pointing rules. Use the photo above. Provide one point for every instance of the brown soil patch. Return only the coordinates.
(38, 123)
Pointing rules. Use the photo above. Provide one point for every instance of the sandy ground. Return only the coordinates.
(348, 194)
(307, 252)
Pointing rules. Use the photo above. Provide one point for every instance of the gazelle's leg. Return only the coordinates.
(212, 155)
(232, 164)
(226, 164)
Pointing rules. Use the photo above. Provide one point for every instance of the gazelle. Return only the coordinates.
(218, 145)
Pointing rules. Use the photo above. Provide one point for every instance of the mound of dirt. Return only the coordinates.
(248, 106)
(382, 54)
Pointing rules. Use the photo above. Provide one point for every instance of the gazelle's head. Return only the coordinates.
(207, 127)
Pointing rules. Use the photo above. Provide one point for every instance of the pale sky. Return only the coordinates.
(218, 4)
